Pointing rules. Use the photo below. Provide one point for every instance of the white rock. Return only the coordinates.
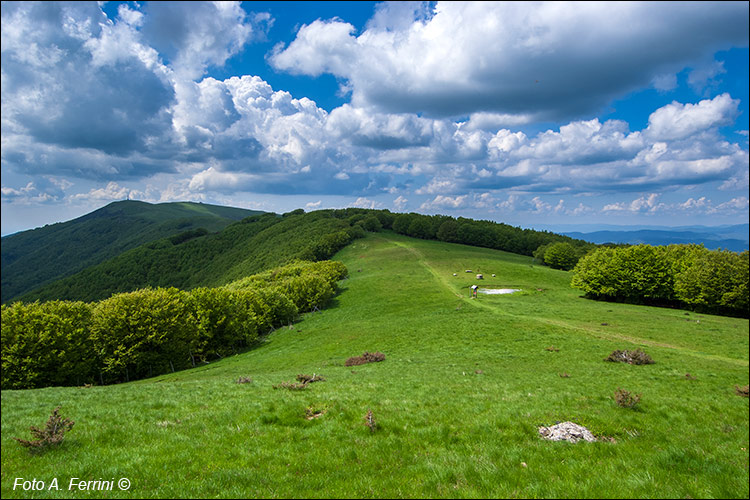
(566, 431)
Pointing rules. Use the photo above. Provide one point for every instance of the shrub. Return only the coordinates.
(637, 357)
(626, 399)
(374, 357)
(309, 379)
(561, 255)
(270, 306)
(367, 357)
(370, 421)
(52, 434)
(331, 270)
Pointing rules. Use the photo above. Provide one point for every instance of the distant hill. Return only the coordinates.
(38, 256)
(249, 246)
(734, 238)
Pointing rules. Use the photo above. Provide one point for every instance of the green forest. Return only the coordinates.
(151, 331)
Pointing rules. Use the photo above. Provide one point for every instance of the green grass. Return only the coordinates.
(457, 402)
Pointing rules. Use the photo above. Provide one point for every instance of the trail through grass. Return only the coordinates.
(496, 308)
(465, 385)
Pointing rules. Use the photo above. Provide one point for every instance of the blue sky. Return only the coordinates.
(527, 113)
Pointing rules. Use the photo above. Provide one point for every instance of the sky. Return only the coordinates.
(530, 113)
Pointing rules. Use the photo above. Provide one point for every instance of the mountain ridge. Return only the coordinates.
(42, 255)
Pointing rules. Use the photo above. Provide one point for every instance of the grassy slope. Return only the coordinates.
(33, 258)
(444, 429)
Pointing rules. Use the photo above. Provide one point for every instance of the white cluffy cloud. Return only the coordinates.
(512, 59)
(442, 111)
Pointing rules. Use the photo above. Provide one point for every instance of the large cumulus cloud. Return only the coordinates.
(551, 60)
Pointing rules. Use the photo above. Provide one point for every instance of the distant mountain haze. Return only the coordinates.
(734, 238)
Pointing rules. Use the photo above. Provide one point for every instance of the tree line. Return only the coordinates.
(152, 331)
(490, 234)
(713, 281)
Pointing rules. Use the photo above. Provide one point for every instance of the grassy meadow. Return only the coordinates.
(457, 402)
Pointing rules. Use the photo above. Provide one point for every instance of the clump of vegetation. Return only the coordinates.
(313, 413)
(151, 331)
(370, 421)
(302, 382)
(244, 380)
(292, 386)
(683, 275)
(637, 357)
(367, 357)
(309, 379)
(626, 399)
(51, 435)
(742, 391)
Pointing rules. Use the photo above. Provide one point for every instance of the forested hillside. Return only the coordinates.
(252, 245)
(39, 256)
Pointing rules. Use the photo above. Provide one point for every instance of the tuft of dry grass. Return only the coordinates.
(367, 357)
(292, 386)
